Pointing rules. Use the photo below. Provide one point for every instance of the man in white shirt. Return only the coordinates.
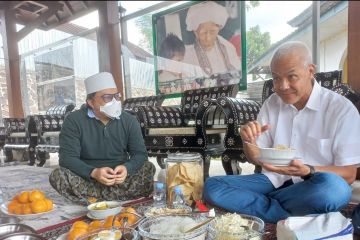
(324, 128)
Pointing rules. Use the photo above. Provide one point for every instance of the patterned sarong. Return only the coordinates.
(78, 189)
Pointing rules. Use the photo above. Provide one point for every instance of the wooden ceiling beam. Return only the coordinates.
(85, 3)
(73, 17)
(36, 23)
(68, 5)
(58, 18)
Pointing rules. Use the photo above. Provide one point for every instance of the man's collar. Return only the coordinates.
(91, 114)
(314, 99)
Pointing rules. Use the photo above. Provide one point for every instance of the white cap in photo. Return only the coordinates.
(205, 12)
(98, 82)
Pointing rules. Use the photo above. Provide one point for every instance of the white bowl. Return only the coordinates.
(276, 162)
(114, 208)
(275, 153)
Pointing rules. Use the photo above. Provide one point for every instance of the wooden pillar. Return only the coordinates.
(12, 63)
(108, 42)
(353, 45)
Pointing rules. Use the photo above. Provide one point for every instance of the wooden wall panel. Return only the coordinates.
(354, 45)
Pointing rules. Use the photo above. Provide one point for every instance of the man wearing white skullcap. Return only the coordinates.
(211, 52)
(102, 152)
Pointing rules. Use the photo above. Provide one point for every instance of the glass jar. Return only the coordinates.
(185, 170)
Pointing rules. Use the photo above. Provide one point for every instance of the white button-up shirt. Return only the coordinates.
(325, 132)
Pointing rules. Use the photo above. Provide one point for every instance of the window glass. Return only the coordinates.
(268, 25)
(4, 104)
(55, 75)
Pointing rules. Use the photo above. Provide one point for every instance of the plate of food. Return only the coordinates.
(62, 236)
(151, 211)
(28, 204)
(85, 230)
(23, 211)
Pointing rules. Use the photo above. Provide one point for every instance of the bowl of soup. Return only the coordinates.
(279, 155)
(101, 210)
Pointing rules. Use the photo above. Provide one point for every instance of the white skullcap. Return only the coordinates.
(98, 82)
(205, 12)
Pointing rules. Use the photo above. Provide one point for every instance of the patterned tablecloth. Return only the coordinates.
(14, 179)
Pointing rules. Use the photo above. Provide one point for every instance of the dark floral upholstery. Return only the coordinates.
(47, 128)
(2, 137)
(238, 112)
(130, 103)
(188, 128)
(19, 138)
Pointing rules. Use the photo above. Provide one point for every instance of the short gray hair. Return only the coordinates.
(290, 47)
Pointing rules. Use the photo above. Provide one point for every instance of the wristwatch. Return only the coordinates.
(311, 173)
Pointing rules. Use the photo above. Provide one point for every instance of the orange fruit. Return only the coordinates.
(15, 198)
(129, 209)
(12, 206)
(38, 206)
(80, 224)
(23, 197)
(26, 208)
(109, 220)
(36, 195)
(18, 208)
(130, 213)
(92, 199)
(49, 204)
(75, 233)
(95, 225)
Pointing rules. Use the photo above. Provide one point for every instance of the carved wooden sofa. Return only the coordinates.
(19, 139)
(236, 109)
(47, 128)
(130, 103)
(197, 126)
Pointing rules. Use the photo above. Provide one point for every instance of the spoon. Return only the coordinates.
(251, 144)
(199, 225)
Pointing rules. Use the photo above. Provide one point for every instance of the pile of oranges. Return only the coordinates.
(30, 202)
(80, 228)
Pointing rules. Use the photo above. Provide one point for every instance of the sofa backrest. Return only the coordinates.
(191, 99)
(130, 103)
(60, 109)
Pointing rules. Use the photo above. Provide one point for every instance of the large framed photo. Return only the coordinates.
(199, 45)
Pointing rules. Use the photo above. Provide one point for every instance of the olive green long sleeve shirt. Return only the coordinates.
(86, 143)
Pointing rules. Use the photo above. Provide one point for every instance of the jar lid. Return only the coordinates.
(183, 157)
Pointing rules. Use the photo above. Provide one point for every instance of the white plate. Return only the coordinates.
(92, 217)
(62, 236)
(32, 215)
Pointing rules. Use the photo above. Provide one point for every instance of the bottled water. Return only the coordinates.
(161, 177)
(159, 194)
(178, 197)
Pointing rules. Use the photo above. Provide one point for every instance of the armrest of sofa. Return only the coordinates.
(237, 112)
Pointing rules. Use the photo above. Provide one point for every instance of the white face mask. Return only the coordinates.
(111, 109)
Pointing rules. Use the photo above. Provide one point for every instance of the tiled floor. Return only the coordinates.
(216, 168)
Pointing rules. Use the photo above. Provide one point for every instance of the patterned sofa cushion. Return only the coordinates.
(191, 99)
(130, 103)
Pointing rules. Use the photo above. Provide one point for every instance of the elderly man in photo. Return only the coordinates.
(102, 153)
(324, 128)
(211, 52)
